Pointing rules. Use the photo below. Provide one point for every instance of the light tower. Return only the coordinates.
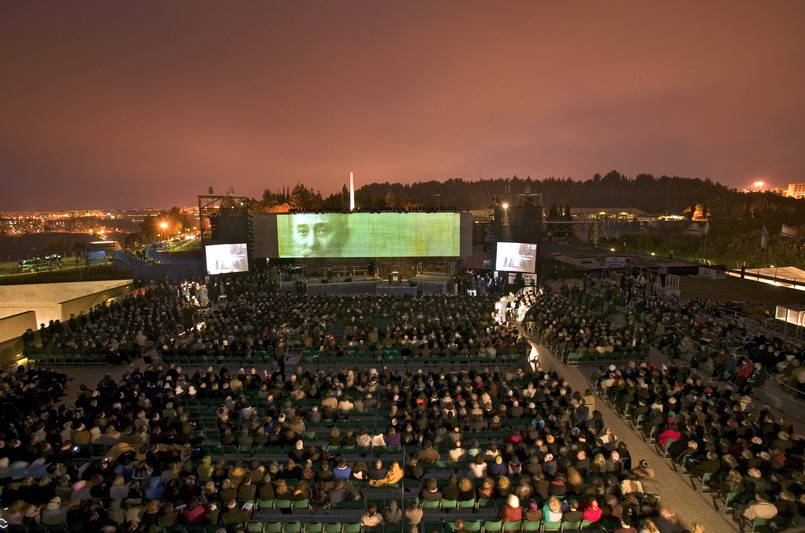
(351, 192)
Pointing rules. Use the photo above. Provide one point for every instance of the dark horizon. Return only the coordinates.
(127, 105)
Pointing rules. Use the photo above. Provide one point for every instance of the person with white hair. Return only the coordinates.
(511, 510)
(54, 513)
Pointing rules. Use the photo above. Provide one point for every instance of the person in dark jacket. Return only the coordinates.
(431, 492)
(234, 515)
(451, 490)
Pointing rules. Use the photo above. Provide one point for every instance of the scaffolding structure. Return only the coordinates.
(211, 209)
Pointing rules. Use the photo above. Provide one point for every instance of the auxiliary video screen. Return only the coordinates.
(226, 258)
(516, 257)
(369, 235)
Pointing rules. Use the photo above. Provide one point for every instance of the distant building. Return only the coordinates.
(796, 190)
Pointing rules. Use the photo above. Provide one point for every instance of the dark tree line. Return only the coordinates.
(735, 218)
(663, 195)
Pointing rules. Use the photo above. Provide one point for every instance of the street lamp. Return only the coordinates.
(164, 226)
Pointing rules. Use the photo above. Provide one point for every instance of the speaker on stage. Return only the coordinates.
(395, 278)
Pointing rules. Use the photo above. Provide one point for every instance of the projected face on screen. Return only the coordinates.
(317, 235)
(368, 235)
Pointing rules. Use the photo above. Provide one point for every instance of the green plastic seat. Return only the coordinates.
(466, 504)
(485, 502)
(758, 524)
(314, 527)
(551, 526)
(301, 504)
(431, 504)
(352, 527)
(283, 504)
(493, 526)
(448, 504)
(472, 526)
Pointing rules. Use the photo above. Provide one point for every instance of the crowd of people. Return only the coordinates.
(752, 458)
(580, 319)
(503, 433)
(251, 321)
(133, 453)
(601, 315)
(121, 329)
(709, 425)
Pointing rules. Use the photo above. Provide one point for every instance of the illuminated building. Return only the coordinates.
(796, 190)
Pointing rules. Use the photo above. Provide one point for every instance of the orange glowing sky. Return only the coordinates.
(124, 104)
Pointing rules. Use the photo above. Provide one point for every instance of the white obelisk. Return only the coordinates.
(351, 192)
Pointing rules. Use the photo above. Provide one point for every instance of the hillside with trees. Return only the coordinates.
(664, 195)
(734, 219)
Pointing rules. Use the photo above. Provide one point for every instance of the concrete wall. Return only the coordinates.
(82, 304)
(13, 326)
(45, 299)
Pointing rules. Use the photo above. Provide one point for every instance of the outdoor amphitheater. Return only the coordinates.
(268, 401)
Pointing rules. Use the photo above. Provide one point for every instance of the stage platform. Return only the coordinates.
(403, 289)
(425, 283)
(316, 287)
(431, 282)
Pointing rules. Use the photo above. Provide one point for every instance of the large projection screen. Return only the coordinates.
(226, 258)
(303, 235)
(516, 257)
